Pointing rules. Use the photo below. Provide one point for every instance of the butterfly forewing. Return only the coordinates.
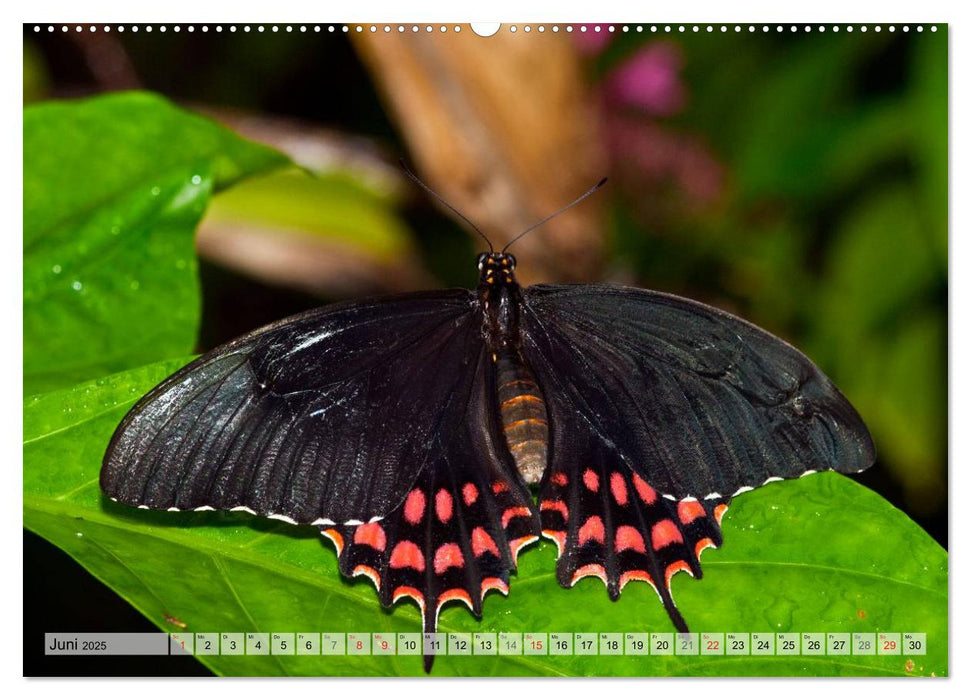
(697, 402)
(329, 416)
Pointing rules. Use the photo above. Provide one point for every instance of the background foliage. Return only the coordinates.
(753, 175)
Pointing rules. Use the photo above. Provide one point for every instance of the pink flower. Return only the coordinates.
(594, 39)
(657, 158)
(649, 80)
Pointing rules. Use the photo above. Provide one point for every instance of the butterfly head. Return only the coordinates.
(496, 269)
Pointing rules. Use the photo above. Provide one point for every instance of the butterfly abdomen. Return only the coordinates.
(523, 412)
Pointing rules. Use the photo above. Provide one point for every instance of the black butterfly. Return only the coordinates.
(409, 428)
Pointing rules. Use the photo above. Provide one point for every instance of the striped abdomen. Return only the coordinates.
(523, 415)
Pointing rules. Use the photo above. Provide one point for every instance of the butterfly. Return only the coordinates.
(411, 429)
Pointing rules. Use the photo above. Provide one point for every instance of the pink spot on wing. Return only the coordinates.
(372, 535)
(591, 480)
(689, 511)
(447, 556)
(415, 506)
(514, 512)
(628, 537)
(443, 505)
(593, 529)
(589, 570)
(664, 533)
(644, 490)
(482, 543)
(470, 494)
(406, 555)
(556, 505)
(558, 479)
(618, 487)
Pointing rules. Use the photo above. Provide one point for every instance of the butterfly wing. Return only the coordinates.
(325, 417)
(661, 409)
(459, 530)
(697, 400)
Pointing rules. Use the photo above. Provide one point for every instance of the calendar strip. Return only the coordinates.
(489, 644)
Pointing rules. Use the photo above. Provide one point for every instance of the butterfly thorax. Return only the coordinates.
(500, 296)
(520, 400)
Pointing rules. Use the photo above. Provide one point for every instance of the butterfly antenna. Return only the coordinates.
(555, 214)
(440, 198)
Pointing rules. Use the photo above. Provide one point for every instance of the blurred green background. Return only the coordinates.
(796, 178)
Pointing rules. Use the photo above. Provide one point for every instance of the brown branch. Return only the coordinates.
(503, 128)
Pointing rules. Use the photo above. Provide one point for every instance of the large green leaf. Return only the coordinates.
(113, 189)
(337, 207)
(821, 554)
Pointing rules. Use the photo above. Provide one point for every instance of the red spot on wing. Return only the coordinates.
(372, 535)
(443, 505)
(335, 537)
(589, 570)
(514, 512)
(674, 568)
(618, 487)
(482, 543)
(559, 537)
(497, 584)
(644, 490)
(635, 575)
(628, 537)
(689, 511)
(499, 487)
(559, 479)
(556, 505)
(447, 556)
(362, 570)
(665, 532)
(470, 494)
(406, 555)
(518, 544)
(593, 529)
(455, 594)
(591, 480)
(702, 545)
(719, 512)
(414, 506)
(409, 592)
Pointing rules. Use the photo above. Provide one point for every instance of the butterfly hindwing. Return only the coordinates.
(610, 523)
(459, 529)
(325, 417)
(698, 402)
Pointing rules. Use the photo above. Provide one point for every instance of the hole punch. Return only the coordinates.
(485, 29)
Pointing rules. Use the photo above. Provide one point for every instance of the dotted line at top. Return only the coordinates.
(512, 28)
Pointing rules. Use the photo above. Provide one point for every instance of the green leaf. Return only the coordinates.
(929, 122)
(820, 554)
(879, 301)
(113, 189)
(336, 206)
